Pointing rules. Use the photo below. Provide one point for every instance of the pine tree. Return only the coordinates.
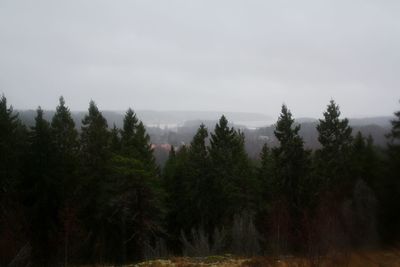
(232, 187)
(42, 193)
(291, 161)
(128, 141)
(115, 140)
(66, 145)
(391, 186)
(65, 138)
(95, 171)
(144, 150)
(289, 184)
(394, 138)
(94, 140)
(176, 174)
(198, 180)
(334, 156)
(12, 145)
(266, 172)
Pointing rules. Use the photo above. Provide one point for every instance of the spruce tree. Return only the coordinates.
(391, 186)
(289, 182)
(13, 147)
(66, 145)
(115, 140)
(13, 137)
(128, 141)
(94, 140)
(42, 193)
(95, 169)
(65, 138)
(199, 179)
(291, 161)
(233, 184)
(144, 150)
(334, 156)
(176, 174)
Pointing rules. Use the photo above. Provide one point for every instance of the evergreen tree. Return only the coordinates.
(291, 161)
(66, 145)
(289, 183)
(95, 168)
(175, 181)
(115, 140)
(65, 138)
(12, 146)
(364, 160)
(391, 186)
(334, 156)
(144, 150)
(199, 180)
(233, 183)
(128, 134)
(266, 172)
(94, 140)
(42, 193)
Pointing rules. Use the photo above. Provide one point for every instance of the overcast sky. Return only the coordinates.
(216, 55)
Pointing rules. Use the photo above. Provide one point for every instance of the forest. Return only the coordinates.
(96, 195)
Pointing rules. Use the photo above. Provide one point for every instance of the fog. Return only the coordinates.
(248, 56)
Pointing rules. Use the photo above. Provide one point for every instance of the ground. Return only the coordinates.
(354, 259)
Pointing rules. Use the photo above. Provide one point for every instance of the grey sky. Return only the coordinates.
(221, 55)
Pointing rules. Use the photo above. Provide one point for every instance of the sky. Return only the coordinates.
(208, 55)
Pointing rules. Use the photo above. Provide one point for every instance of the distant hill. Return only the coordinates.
(171, 119)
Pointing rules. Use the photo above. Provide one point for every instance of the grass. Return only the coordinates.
(354, 259)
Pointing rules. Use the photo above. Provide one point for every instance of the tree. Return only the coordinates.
(128, 139)
(66, 145)
(233, 184)
(115, 140)
(176, 174)
(199, 179)
(391, 186)
(95, 170)
(291, 161)
(144, 150)
(42, 193)
(334, 156)
(94, 140)
(13, 146)
(290, 182)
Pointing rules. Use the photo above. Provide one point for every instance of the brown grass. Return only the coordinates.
(386, 258)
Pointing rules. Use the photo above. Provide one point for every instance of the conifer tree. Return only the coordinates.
(144, 150)
(334, 156)
(289, 183)
(232, 187)
(199, 179)
(66, 145)
(42, 193)
(94, 139)
(266, 172)
(95, 168)
(291, 161)
(391, 186)
(128, 141)
(65, 138)
(115, 140)
(176, 174)
(12, 145)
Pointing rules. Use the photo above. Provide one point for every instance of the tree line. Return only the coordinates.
(96, 195)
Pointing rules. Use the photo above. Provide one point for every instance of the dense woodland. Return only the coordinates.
(73, 196)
